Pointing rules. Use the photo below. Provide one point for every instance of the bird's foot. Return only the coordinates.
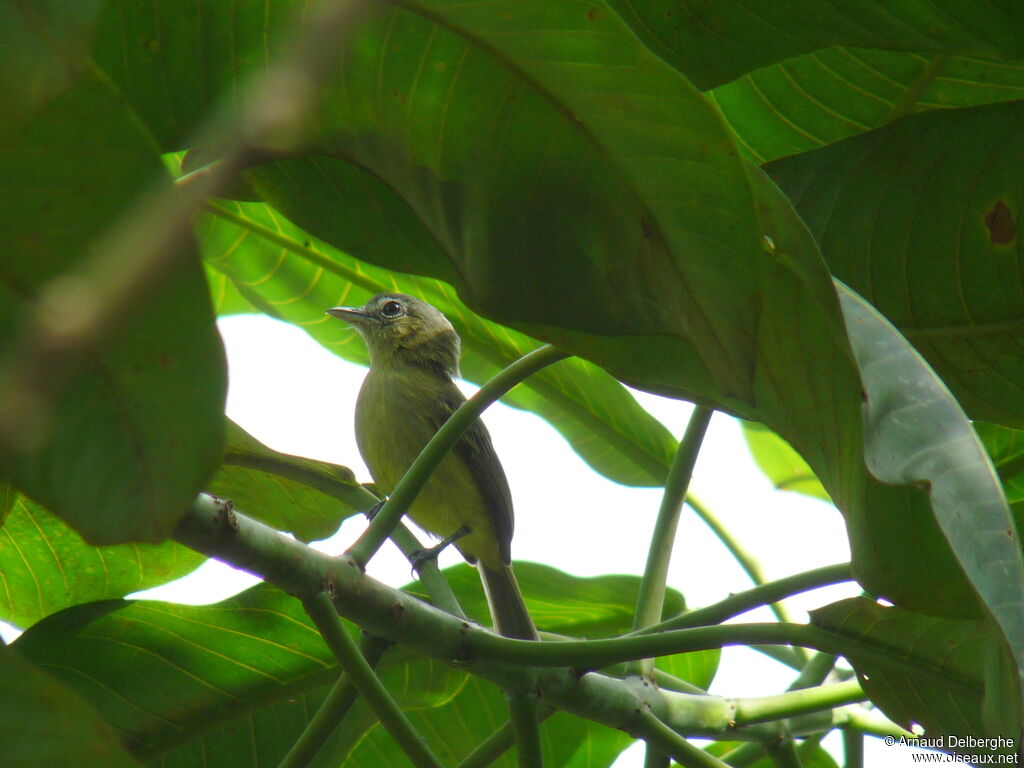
(372, 511)
(423, 556)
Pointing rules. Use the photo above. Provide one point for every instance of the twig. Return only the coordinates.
(320, 608)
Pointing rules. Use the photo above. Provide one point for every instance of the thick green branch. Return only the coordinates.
(212, 527)
(443, 441)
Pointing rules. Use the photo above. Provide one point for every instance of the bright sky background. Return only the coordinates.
(296, 397)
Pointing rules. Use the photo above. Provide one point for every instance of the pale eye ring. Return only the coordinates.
(391, 309)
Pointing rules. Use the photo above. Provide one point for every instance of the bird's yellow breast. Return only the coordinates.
(396, 415)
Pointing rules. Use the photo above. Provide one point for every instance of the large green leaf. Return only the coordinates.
(306, 497)
(137, 429)
(479, 708)
(289, 274)
(915, 433)
(45, 566)
(934, 199)
(715, 42)
(44, 724)
(819, 98)
(954, 649)
(227, 672)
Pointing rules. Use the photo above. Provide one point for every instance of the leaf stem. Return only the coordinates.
(442, 442)
(321, 610)
(331, 712)
(651, 598)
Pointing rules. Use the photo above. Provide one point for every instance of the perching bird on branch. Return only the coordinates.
(407, 395)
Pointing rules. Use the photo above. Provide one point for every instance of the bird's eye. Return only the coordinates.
(391, 309)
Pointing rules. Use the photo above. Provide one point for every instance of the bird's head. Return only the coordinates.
(401, 329)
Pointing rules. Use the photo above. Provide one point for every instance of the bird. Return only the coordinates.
(408, 394)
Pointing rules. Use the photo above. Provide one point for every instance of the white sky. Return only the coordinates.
(294, 396)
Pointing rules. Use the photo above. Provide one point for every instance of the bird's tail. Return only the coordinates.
(508, 610)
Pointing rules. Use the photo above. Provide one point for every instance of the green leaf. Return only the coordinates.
(306, 497)
(226, 672)
(481, 708)
(920, 218)
(45, 566)
(137, 429)
(821, 97)
(43, 44)
(714, 43)
(45, 724)
(954, 649)
(291, 275)
(916, 433)
(780, 463)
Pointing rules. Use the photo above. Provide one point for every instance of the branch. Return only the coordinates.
(651, 598)
(443, 441)
(320, 608)
(213, 528)
(332, 711)
(762, 594)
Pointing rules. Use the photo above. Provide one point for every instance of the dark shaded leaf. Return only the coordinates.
(45, 724)
(954, 649)
(716, 42)
(920, 218)
(43, 45)
(137, 430)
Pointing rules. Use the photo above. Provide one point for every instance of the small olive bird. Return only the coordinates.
(407, 395)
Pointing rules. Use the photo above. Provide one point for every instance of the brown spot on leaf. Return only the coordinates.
(1001, 224)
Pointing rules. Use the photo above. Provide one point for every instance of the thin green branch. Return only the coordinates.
(321, 610)
(853, 749)
(667, 741)
(443, 441)
(763, 594)
(497, 744)
(651, 598)
(655, 758)
(331, 712)
(525, 722)
(815, 671)
(758, 709)
(747, 561)
(783, 753)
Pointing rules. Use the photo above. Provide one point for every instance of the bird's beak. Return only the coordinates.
(351, 315)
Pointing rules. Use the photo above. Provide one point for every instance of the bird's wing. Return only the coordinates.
(476, 450)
